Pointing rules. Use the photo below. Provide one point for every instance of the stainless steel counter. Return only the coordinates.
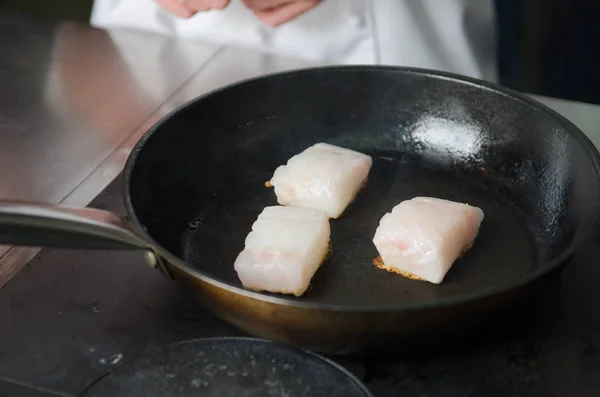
(70, 97)
(74, 100)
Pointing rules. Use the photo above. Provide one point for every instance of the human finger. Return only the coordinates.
(176, 7)
(286, 12)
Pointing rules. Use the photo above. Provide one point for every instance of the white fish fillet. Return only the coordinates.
(424, 236)
(324, 177)
(284, 250)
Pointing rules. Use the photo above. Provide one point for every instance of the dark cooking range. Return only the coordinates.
(506, 322)
(71, 316)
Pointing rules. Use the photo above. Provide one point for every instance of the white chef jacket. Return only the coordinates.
(450, 35)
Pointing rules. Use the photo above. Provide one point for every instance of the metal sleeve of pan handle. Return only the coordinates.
(40, 225)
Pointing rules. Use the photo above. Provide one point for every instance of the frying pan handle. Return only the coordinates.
(43, 225)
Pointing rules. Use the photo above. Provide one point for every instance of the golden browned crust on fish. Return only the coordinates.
(268, 184)
(378, 262)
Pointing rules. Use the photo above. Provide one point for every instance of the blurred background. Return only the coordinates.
(545, 46)
(75, 10)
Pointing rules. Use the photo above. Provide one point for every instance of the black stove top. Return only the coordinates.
(71, 316)
(224, 367)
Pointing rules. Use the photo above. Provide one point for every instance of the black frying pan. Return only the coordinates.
(194, 186)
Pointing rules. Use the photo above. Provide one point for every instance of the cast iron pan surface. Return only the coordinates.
(195, 182)
(223, 367)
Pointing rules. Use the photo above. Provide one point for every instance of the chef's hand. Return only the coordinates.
(276, 12)
(187, 8)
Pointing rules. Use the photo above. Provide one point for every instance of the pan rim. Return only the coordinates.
(545, 268)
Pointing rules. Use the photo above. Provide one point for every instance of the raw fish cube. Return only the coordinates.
(323, 177)
(284, 250)
(421, 238)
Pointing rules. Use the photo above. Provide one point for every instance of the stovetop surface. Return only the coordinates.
(219, 367)
(71, 315)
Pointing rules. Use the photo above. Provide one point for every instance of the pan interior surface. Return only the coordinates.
(197, 183)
